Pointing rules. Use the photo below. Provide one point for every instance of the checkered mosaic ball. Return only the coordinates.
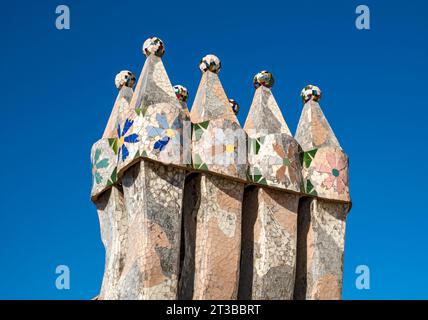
(210, 62)
(181, 93)
(153, 45)
(234, 105)
(263, 78)
(124, 78)
(311, 92)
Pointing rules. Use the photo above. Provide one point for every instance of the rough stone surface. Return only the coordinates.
(218, 238)
(268, 244)
(114, 226)
(321, 238)
(153, 200)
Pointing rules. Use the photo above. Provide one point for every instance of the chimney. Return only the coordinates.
(271, 201)
(219, 153)
(149, 142)
(322, 213)
(107, 194)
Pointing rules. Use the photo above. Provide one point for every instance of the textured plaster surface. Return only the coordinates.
(114, 227)
(218, 238)
(321, 241)
(269, 244)
(153, 200)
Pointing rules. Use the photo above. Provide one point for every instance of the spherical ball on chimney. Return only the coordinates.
(263, 78)
(234, 105)
(311, 92)
(210, 63)
(181, 93)
(124, 78)
(153, 45)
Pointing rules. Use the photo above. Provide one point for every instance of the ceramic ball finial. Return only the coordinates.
(124, 78)
(263, 78)
(311, 92)
(181, 93)
(234, 105)
(153, 45)
(210, 63)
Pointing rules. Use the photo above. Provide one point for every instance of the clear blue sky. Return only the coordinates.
(57, 90)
